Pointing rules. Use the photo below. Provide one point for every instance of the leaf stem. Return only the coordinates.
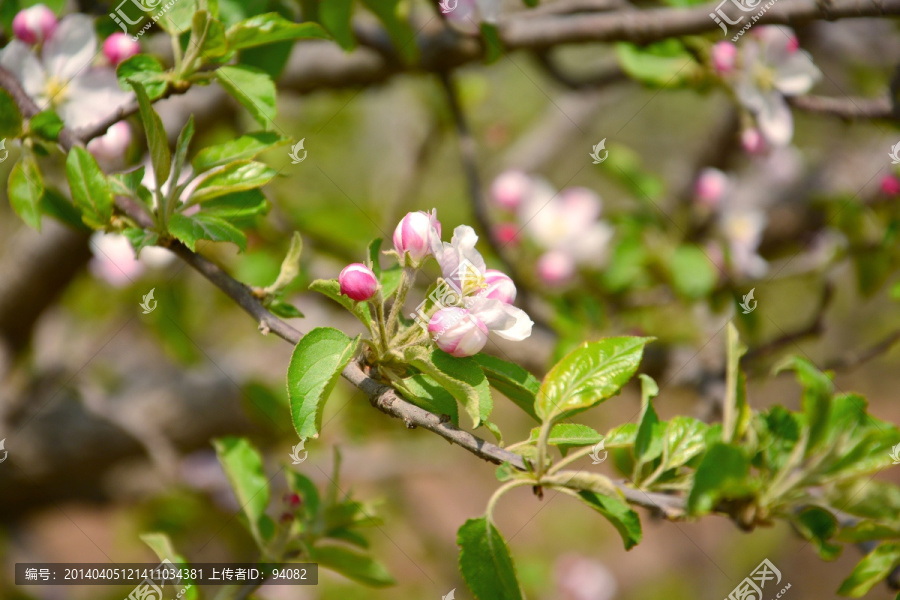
(406, 279)
(542, 445)
(489, 511)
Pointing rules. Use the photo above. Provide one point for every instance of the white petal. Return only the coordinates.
(490, 311)
(91, 97)
(592, 245)
(775, 120)
(521, 328)
(18, 59)
(797, 74)
(72, 47)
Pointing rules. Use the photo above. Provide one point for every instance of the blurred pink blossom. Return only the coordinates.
(35, 24)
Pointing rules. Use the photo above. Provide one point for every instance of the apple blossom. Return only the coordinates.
(35, 24)
(555, 268)
(458, 332)
(506, 233)
(114, 260)
(724, 56)
(772, 67)
(752, 141)
(119, 47)
(109, 149)
(710, 187)
(743, 229)
(62, 78)
(510, 188)
(358, 282)
(415, 235)
(890, 185)
(499, 285)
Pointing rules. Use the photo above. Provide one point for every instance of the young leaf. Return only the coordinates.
(425, 392)
(56, 205)
(251, 87)
(46, 124)
(648, 442)
(283, 309)
(290, 266)
(872, 569)
(485, 562)
(569, 435)
(10, 116)
(624, 519)
(462, 377)
(207, 36)
(90, 189)
(145, 69)
(723, 473)
(374, 252)
(588, 375)
(164, 549)
(684, 439)
(182, 145)
(818, 526)
(693, 274)
(817, 392)
(736, 411)
(25, 189)
(269, 28)
(238, 176)
(335, 17)
(401, 32)
(191, 229)
(245, 147)
(160, 156)
(316, 365)
(353, 565)
(243, 466)
(512, 381)
(306, 489)
(332, 289)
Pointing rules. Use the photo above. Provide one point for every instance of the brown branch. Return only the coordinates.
(847, 108)
(86, 134)
(881, 347)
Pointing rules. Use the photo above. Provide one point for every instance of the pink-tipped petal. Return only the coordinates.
(358, 282)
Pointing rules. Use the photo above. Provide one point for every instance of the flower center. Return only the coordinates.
(471, 280)
(764, 77)
(55, 90)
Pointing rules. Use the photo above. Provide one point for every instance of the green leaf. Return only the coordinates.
(648, 442)
(126, 184)
(56, 205)
(569, 435)
(335, 17)
(624, 519)
(46, 124)
(316, 365)
(283, 309)
(400, 31)
(736, 417)
(306, 489)
(243, 466)
(145, 69)
(253, 88)
(157, 141)
(178, 18)
(164, 549)
(245, 147)
(684, 439)
(140, 239)
(818, 526)
(207, 36)
(588, 375)
(25, 190)
(374, 253)
(10, 116)
(240, 209)
(462, 377)
(817, 392)
(269, 28)
(872, 569)
(191, 229)
(238, 176)
(512, 381)
(425, 392)
(493, 45)
(485, 562)
(332, 289)
(90, 189)
(723, 473)
(182, 145)
(662, 64)
(693, 275)
(290, 266)
(353, 565)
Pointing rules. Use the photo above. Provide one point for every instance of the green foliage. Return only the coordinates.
(335, 18)
(623, 518)
(10, 116)
(89, 187)
(46, 124)
(353, 565)
(191, 229)
(269, 28)
(485, 562)
(461, 377)
(25, 190)
(662, 64)
(238, 176)
(316, 365)
(243, 466)
(146, 70)
(245, 147)
(331, 288)
(425, 392)
(253, 88)
(160, 156)
(511, 380)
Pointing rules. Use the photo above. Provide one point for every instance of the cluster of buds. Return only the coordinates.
(566, 226)
(467, 303)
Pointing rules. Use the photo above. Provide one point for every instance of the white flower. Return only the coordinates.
(772, 67)
(743, 229)
(464, 267)
(62, 78)
(114, 260)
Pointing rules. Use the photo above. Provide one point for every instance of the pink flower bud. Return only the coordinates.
(414, 232)
(358, 282)
(510, 188)
(710, 187)
(555, 268)
(890, 185)
(724, 57)
(458, 332)
(752, 141)
(499, 286)
(34, 25)
(109, 148)
(506, 233)
(581, 204)
(120, 47)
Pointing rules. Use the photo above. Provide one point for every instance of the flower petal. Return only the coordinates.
(72, 47)
(775, 119)
(797, 74)
(521, 327)
(490, 311)
(91, 97)
(18, 59)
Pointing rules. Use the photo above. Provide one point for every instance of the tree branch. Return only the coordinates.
(847, 108)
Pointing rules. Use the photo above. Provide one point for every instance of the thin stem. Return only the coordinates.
(489, 511)
(406, 279)
(569, 460)
(379, 318)
(542, 445)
